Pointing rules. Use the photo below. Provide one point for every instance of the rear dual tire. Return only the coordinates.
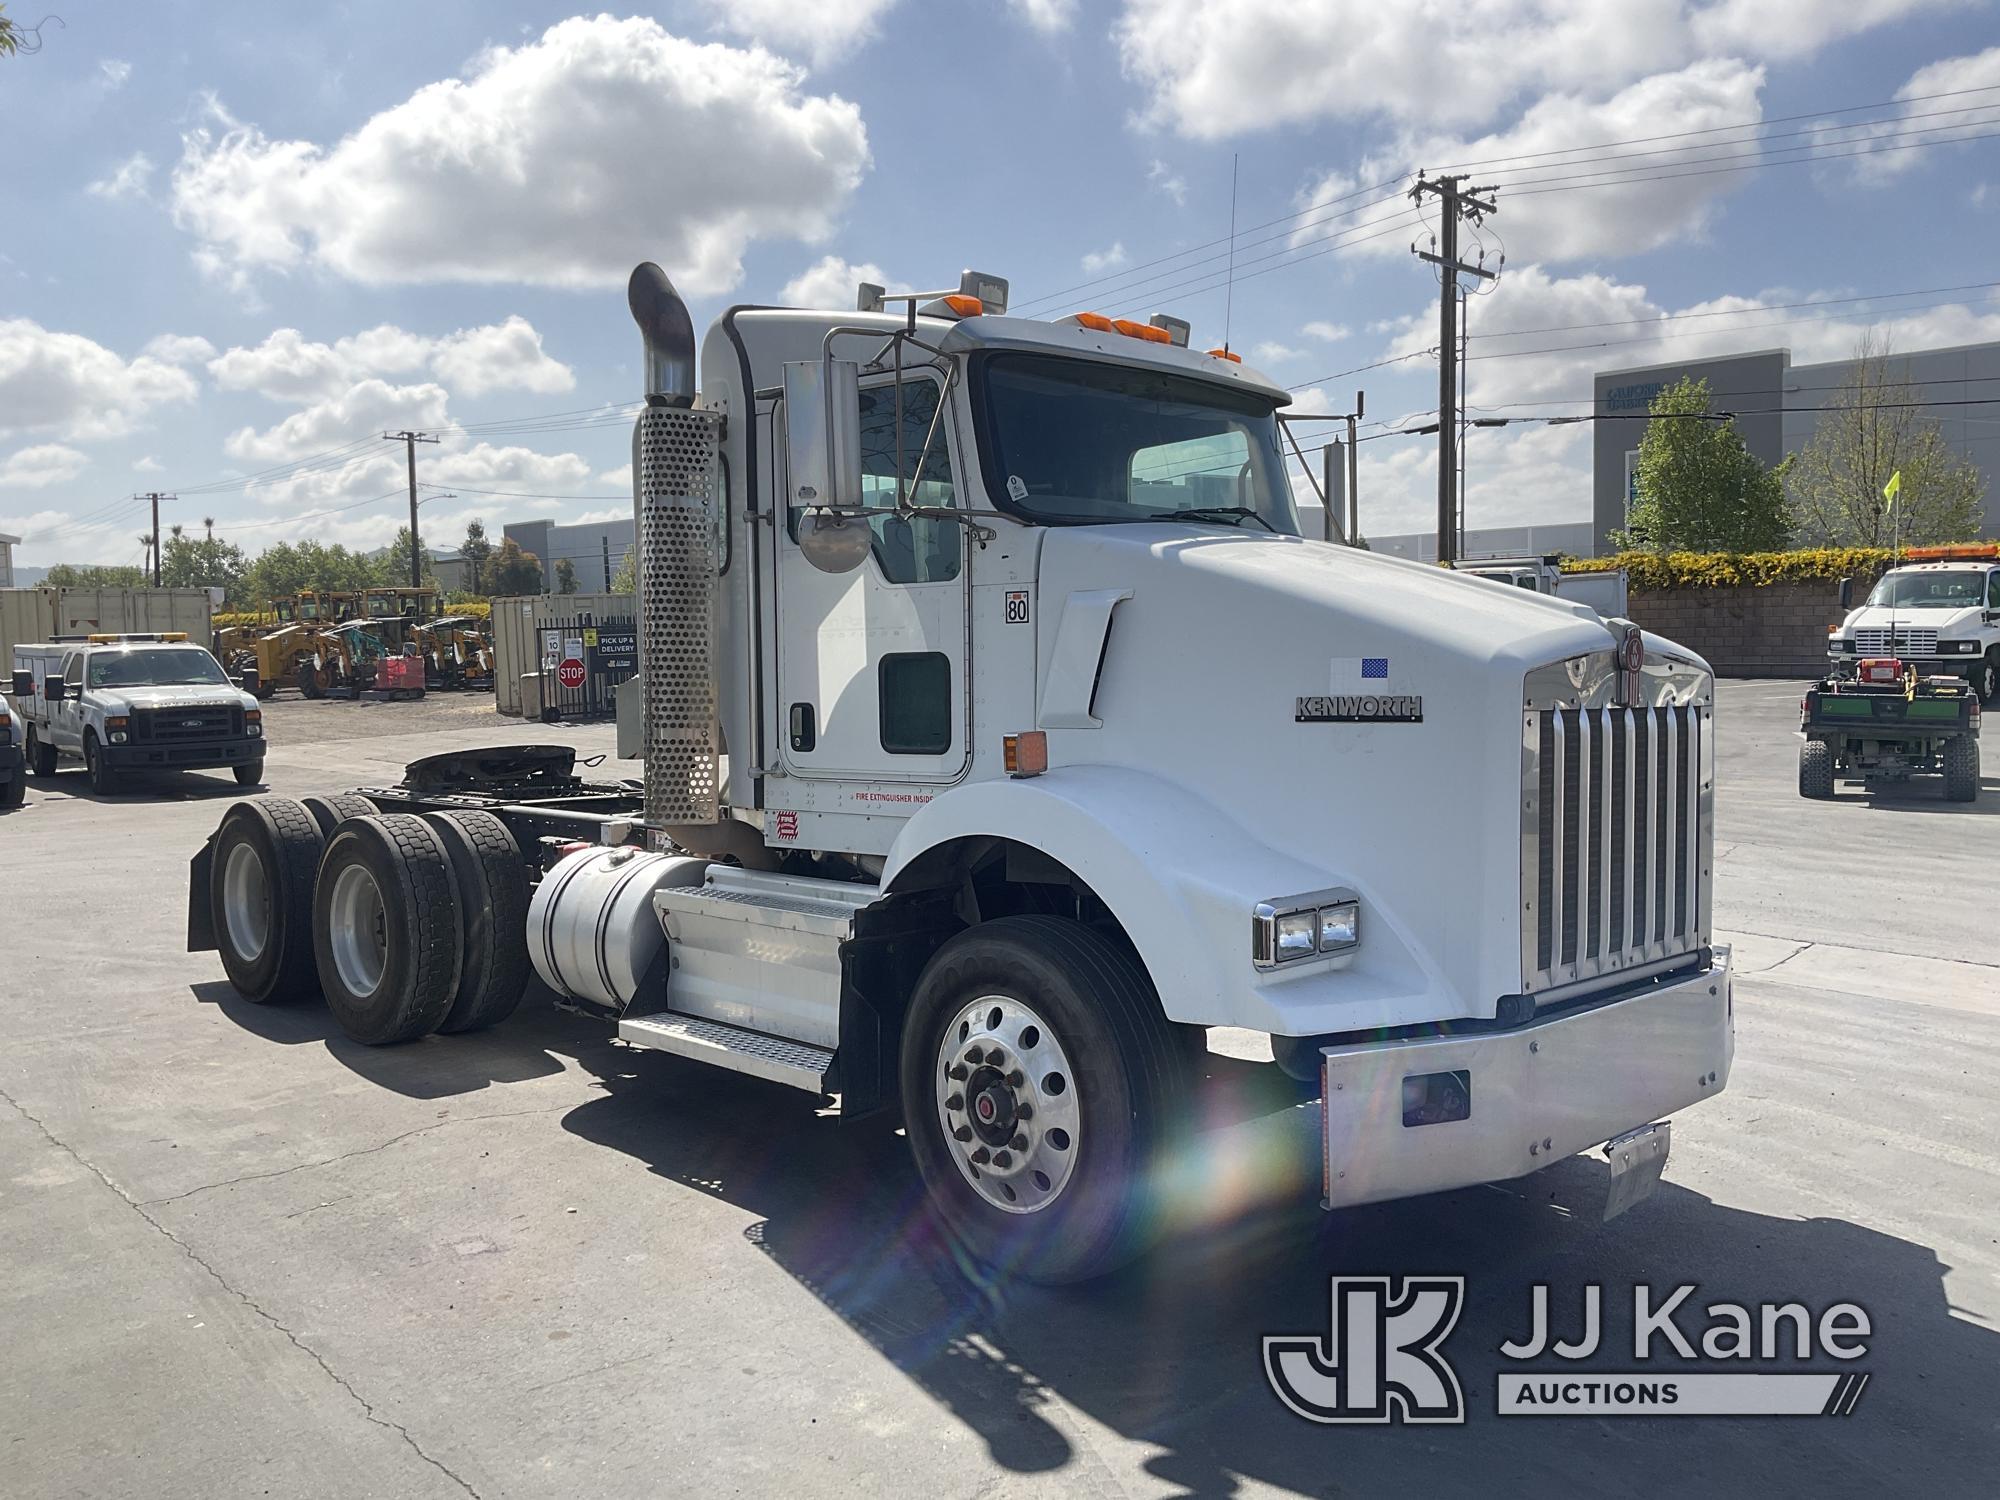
(1961, 769)
(492, 886)
(387, 938)
(261, 878)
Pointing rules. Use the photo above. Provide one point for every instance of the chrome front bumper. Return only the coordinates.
(1538, 1094)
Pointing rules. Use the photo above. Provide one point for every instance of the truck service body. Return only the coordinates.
(128, 703)
(1001, 734)
(1939, 617)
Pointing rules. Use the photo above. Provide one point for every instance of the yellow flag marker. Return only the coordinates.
(1891, 490)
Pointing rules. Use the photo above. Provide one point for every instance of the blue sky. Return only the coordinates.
(238, 240)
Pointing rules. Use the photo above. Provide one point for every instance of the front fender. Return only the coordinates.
(1183, 877)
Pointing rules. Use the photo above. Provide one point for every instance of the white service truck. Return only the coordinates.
(1940, 614)
(1603, 589)
(127, 703)
(1001, 735)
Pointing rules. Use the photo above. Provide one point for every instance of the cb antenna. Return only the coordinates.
(1229, 283)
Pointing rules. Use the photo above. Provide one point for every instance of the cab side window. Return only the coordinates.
(73, 669)
(1993, 590)
(909, 549)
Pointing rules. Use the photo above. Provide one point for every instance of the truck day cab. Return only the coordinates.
(1002, 734)
(127, 703)
(1940, 616)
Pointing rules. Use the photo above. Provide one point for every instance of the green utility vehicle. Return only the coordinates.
(1886, 724)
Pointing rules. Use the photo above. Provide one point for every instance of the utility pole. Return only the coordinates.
(606, 539)
(156, 497)
(409, 440)
(1353, 472)
(1455, 201)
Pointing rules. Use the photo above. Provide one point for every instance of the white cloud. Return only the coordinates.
(1103, 260)
(180, 349)
(41, 466)
(653, 146)
(1159, 175)
(1539, 339)
(1216, 70)
(831, 283)
(1329, 333)
(72, 386)
(1271, 352)
(146, 464)
(287, 366)
(823, 30)
(114, 71)
(1046, 16)
(1618, 217)
(1514, 477)
(1951, 75)
(129, 179)
(368, 405)
(619, 478)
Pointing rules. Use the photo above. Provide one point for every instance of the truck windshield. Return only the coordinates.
(1071, 442)
(1959, 590)
(184, 667)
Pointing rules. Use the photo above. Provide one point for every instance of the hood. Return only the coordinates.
(1950, 624)
(1355, 714)
(191, 695)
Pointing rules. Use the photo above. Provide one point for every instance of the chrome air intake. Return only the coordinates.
(1617, 827)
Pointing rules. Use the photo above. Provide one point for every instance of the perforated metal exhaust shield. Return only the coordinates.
(678, 492)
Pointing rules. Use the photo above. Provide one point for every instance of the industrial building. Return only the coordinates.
(595, 549)
(7, 546)
(1776, 402)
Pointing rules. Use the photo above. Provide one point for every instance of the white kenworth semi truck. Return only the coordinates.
(1001, 735)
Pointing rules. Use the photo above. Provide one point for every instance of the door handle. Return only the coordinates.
(803, 728)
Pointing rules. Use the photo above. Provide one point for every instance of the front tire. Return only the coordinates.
(1040, 1086)
(41, 758)
(386, 934)
(13, 793)
(104, 781)
(1816, 770)
(1961, 769)
(1986, 679)
(249, 773)
(260, 892)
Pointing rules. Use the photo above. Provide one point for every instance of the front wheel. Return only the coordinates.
(1041, 1084)
(1985, 679)
(104, 779)
(14, 792)
(249, 773)
(41, 757)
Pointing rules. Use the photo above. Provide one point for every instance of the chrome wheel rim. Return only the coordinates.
(246, 902)
(357, 931)
(1007, 1103)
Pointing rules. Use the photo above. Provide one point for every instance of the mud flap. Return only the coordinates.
(201, 920)
(1637, 1159)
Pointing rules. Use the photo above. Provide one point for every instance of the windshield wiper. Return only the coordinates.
(1214, 513)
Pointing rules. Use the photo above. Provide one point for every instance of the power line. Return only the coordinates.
(1739, 312)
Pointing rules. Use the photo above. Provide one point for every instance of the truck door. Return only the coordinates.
(871, 666)
(68, 715)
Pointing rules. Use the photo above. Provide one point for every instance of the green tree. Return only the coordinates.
(626, 579)
(1870, 428)
(565, 576)
(475, 549)
(93, 576)
(193, 563)
(1700, 488)
(514, 571)
(392, 568)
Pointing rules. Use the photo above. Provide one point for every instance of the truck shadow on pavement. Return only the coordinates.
(1167, 1353)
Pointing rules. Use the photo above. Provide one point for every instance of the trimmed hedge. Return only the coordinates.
(222, 619)
(1709, 570)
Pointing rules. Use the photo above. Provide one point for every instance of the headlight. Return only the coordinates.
(253, 730)
(1302, 927)
(117, 736)
(1950, 648)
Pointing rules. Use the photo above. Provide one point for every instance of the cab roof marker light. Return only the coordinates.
(1095, 322)
(1144, 331)
(1234, 359)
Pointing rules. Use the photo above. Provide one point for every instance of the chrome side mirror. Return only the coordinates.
(823, 454)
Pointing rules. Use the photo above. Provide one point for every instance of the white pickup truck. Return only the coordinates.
(125, 703)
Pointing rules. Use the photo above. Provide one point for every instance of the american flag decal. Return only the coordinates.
(1375, 668)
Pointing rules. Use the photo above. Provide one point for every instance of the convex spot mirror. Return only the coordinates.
(823, 457)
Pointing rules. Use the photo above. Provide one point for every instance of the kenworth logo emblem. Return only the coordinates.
(1360, 708)
(1379, 1360)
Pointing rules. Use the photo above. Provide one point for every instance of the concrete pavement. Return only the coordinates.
(243, 1256)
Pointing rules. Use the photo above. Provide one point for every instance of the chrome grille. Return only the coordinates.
(1907, 639)
(676, 472)
(1614, 854)
(161, 725)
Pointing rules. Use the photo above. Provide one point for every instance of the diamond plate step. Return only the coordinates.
(799, 1064)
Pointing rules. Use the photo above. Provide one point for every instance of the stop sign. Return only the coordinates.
(570, 673)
